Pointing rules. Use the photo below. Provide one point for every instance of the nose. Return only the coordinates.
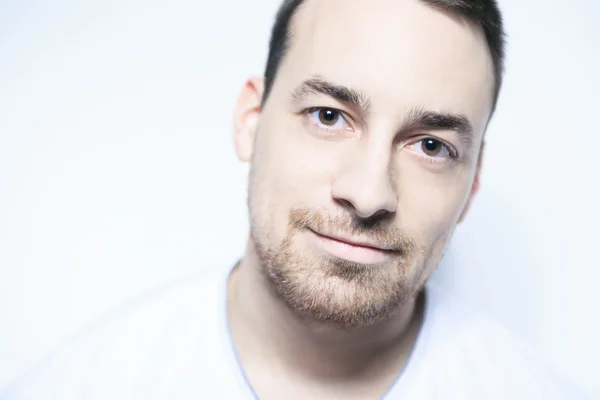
(366, 186)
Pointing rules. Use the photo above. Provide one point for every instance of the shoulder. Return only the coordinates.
(129, 348)
(487, 358)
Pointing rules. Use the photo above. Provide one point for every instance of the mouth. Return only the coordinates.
(353, 249)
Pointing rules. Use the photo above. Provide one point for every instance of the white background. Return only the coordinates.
(117, 170)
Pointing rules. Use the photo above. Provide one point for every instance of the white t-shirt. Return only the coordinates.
(175, 344)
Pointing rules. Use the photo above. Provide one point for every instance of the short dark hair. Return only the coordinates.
(484, 13)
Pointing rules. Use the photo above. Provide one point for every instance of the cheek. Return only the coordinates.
(429, 210)
(430, 203)
(289, 169)
(297, 166)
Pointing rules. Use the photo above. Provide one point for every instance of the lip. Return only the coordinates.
(359, 250)
(358, 242)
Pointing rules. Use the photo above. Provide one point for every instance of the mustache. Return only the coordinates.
(377, 229)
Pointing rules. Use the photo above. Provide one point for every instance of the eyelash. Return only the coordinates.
(309, 111)
(452, 153)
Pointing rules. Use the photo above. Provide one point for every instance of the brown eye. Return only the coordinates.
(432, 147)
(328, 116)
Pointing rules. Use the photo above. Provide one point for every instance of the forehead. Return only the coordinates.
(401, 53)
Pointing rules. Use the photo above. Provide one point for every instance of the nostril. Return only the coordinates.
(346, 204)
(379, 214)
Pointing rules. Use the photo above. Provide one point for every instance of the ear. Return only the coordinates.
(246, 116)
(476, 184)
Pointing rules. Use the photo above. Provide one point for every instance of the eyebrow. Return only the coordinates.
(417, 117)
(344, 94)
(459, 123)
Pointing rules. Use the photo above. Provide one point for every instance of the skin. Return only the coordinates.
(396, 166)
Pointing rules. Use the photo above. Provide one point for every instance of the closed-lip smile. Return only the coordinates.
(354, 241)
(355, 249)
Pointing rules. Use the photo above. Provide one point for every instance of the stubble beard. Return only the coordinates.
(328, 289)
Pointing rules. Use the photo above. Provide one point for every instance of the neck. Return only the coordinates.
(268, 334)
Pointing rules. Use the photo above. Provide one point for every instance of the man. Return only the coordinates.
(365, 141)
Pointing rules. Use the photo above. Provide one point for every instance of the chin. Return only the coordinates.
(337, 292)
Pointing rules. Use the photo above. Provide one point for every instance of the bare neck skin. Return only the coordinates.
(277, 347)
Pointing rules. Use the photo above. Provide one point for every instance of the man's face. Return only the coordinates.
(371, 135)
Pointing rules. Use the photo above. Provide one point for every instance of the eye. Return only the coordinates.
(329, 118)
(433, 148)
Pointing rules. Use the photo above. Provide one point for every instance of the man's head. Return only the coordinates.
(368, 129)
